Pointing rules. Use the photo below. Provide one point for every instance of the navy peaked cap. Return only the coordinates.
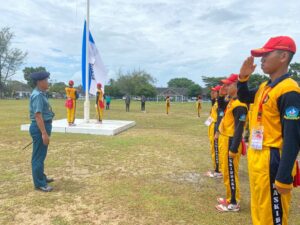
(39, 75)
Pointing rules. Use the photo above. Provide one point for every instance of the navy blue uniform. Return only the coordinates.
(39, 104)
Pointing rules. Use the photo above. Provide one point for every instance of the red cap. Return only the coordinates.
(231, 79)
(275, 43)
(99, 85)
(71, 83)
(216, 88)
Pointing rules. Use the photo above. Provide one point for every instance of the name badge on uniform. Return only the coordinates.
(209, 121)
(257, 136)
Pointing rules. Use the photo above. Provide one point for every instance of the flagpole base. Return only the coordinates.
(86, 111)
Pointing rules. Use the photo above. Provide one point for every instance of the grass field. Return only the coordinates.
(150, 174)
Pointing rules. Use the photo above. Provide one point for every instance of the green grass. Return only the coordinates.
(150, 174)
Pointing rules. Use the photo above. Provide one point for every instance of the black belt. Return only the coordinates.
(45, 121)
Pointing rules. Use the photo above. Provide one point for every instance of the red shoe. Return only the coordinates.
(222, 201)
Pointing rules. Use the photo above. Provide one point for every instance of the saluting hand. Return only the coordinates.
(247, 68)
(216, 135)
(45, 138)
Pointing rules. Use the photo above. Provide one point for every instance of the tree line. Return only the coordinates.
(135, 83)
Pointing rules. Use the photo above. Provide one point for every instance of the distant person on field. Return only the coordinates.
(168, 105)
(99, 103)
(199, 101)
(107, 100)
(70, 104)
(143, 103)
(127, 102)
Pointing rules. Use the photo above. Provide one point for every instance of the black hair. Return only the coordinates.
(290, 54)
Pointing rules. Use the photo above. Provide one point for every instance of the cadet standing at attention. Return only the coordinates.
(211, 122)
(274, 131)
(168, 105)
(199, 105)
(231, 130)
(70, 104)
(107, 102)
(41, 116)
(127, 103)
(99, 103)
(143, 103)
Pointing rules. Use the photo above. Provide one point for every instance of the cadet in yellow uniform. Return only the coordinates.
(230, 136)
(99, 103)
(168, 104)
(72, 96)
(274, 131)
(212, 128)
(199, 105)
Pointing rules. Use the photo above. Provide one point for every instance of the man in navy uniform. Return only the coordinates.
(41, 116)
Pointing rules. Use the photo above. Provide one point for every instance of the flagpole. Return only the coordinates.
(87, 38)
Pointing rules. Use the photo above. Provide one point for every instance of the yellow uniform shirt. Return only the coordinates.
(71, 93)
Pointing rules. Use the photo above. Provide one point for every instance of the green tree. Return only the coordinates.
(112, 89)
(13, 85)
(256, 79)
(29, 70)
(212, 81)
(195, 90)
(10, 58)
(135, 83)
(180, 83)
(295, 71)
(125, 84)
(58, 88)
(147, 90)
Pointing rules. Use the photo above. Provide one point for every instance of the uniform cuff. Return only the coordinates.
(232, 154)
(244, 80)
(282, 185)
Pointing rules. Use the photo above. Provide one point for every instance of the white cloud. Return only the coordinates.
(167, 38)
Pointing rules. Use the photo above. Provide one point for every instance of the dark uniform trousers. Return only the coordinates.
(39, 153)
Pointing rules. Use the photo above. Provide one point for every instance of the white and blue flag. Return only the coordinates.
(97, 72)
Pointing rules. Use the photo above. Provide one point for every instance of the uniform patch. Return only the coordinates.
(243, 118)
(292, 113)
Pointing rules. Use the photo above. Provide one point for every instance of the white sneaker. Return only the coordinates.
(228, 208)
(234, 207)
(218, 175)
(209, 174)
(213, 174)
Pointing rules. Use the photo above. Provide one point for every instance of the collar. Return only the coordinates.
(40, 91)
(278, 80)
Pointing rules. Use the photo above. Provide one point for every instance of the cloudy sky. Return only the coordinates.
(167, 38)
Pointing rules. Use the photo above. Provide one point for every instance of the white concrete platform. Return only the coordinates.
(107, 127)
